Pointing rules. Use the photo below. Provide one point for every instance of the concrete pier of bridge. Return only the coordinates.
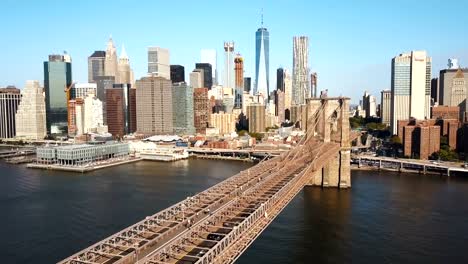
(330, 119)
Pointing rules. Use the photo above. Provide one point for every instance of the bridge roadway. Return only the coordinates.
(218, 224)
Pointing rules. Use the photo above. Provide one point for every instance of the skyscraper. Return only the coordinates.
(110, 62)
(31, 115)
(121, 110)
(210, 56)
(201, 109)
(229, 65)
(96, 64)
(10, 98)
(256, 116)
(196, 78)
(411, 87)
(182, 108)
(125, 74)
(177, 73)
(369, 104)
(154, 106)
(453, 85)
(280, 79)
(207, 76)
(287, 91)
(239, 80)
(385, 106)
(262, 61)
(247, 84)
(57, 77)
(158, 62)
(300, 81)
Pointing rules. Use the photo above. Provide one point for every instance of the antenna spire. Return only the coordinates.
(262, 16)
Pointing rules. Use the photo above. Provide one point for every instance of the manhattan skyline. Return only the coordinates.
(351, 44)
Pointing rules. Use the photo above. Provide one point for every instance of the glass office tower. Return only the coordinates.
(57, 77)
(262, 62)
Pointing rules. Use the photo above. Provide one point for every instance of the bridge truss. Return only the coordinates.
(218, 224)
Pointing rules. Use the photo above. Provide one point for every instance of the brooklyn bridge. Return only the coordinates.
(220, 223)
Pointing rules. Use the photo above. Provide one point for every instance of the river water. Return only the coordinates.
(385, 218)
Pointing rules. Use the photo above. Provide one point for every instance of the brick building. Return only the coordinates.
(419, 138)
(445, 112)
(201, 109)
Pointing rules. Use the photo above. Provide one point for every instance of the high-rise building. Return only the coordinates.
(369, 104)
(256, 116)
(262, 61)
(239, 83)
(81, 90)
(313, 84)
(247, 84)
(385, 106)
(300, 82)
(159, 62)
(225, 122)
(196, 78)
(57, 78)
(201, 109)
(96, 64)
(287, 91)
(453, 86)
(31, 115)
(121, 110)
(103, 83)
(229, 65)
(110, 62)
(209, 56)
(182, 108)
(207, 78)
(280, 79)
(411, 87)
(10, 98)
(280, 110)
(435, 94)
(177, 73)
(154, 106)
(125, 73)
(86, 116)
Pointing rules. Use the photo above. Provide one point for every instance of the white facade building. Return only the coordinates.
(125, 75)
(110, 62)
(411, 87)
(300, 83)
(159, 62)
(31, 114)
(82, 90)
(229, 77)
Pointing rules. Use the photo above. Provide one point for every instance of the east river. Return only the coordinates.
(385, 218)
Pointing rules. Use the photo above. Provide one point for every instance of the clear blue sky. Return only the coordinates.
(351, 42)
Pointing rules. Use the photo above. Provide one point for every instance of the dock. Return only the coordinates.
(82, 169)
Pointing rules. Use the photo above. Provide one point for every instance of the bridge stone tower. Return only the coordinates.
(329, 119)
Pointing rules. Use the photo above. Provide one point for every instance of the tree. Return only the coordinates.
(242, 133)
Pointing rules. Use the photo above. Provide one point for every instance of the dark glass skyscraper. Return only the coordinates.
(96, 64)
(207, 74)
(177, 73)
(57, 77)
(247, 84)
(262, 62)
(280, 79)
